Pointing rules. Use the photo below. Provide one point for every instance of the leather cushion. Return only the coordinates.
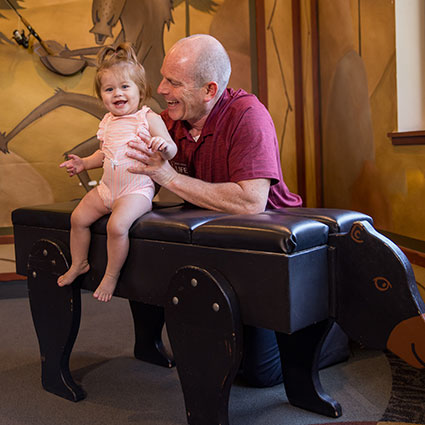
(262, 232)
(268, 231)
(338, 220)
(52, 216)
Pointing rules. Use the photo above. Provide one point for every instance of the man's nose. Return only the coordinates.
(161, 87)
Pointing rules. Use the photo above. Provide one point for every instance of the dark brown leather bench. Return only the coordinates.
(206, 274)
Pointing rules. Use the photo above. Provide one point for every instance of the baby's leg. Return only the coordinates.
(125, 211)
(87, 212)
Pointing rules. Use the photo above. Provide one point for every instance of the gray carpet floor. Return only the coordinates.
(122, 390)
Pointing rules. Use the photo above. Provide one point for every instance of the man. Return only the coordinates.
(235, 173)
(227, 159)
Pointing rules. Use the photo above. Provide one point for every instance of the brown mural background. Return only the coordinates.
(44, 114)
(361, 169)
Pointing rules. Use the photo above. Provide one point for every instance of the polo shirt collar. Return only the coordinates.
(211, 122)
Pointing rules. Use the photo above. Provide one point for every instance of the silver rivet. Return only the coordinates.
(215, 307)
(34, 274)
(194, 282)
(45, 252)
(175, 300)
(54, 262)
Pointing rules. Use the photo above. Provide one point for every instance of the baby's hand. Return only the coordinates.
(74, 165)
(157, 144)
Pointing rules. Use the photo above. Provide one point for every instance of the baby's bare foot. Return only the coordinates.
(73, 272)
(106, 288)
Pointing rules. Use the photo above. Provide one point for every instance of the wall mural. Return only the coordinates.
(351, 178)
(56, 57)
(10, 4)
(142, 24)
(48, 109)
(361, 168)
(70, 70)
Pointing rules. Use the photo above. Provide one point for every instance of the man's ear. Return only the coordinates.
(211, 89)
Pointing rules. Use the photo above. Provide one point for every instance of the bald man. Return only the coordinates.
(227, 159)
(228, 154)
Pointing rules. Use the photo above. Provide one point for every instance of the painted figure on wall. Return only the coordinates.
(3, 5)
(142, 24)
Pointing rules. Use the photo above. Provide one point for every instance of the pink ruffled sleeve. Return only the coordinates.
(101, 130)
(143, 126)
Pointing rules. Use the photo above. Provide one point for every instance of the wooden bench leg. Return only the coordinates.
(299, 354)
(205, 332)
(148, 323)
(56, 313)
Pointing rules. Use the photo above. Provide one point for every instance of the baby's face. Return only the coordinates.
(120, 94)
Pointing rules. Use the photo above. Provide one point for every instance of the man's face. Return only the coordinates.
(185, 100)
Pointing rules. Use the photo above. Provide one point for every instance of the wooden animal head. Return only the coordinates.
(377, 301)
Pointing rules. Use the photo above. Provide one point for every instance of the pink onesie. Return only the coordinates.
(115, 132)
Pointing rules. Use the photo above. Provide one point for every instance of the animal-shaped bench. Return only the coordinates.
(206, 273)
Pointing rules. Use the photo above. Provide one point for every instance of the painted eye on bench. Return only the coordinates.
(382, 284)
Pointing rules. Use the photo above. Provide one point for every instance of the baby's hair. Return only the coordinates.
(122, 56)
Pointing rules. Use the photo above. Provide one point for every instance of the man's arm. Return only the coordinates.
(244, 197)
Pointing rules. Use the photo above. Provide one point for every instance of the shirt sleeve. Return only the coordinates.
(254, 151)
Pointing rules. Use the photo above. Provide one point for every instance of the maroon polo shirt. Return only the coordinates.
(238, 142)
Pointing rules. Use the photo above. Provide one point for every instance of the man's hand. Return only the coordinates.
(151, 164)
(73, 165)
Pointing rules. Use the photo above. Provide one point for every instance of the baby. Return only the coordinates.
(120, 83)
